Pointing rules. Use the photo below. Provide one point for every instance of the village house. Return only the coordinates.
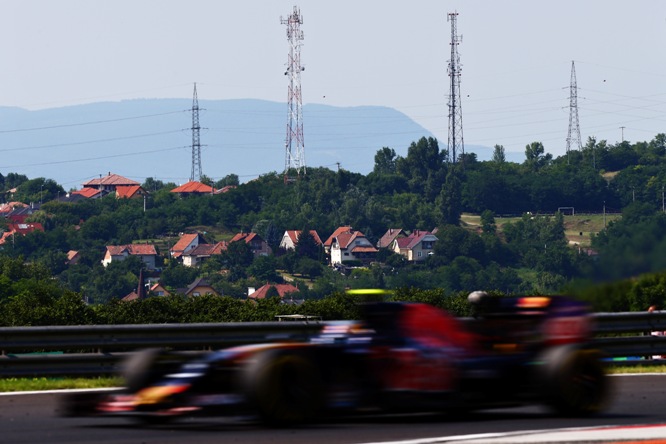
(20, 229)
(258, 246)
(193, 187)
(290, 239)
(109, 183)
(146, 252)
(283, 290)
(200, 287)
(197, 255)
(351, 245)
(187, 242)
(391, 234)
(416, 247)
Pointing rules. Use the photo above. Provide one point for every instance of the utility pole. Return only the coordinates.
(622, 128)
(455, 142)
(196, 142)
(573, 136)
(294, 142)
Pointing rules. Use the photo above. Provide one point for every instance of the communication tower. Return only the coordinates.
(294, 143)
(573, 136)
(455, 141)
(196, 142)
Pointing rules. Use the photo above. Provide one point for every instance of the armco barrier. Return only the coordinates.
(96, 350)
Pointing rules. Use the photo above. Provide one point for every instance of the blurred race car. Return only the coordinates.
(400, 357)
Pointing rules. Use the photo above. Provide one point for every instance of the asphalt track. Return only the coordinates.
(32, 418)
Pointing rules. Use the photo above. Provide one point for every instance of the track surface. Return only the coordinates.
(32, 419)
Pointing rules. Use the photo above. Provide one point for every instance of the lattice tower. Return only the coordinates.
(573, 136)
(455, 142)
(196, 141)
(294, 142)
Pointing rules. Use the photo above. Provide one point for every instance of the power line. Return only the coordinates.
(96, 122)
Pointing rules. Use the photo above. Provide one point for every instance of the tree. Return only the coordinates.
(488, 222)
(306, 246)
(535, 157)
(449, 203)
(499, 156)
(385, 161)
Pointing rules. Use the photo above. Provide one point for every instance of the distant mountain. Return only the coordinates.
(152, 138)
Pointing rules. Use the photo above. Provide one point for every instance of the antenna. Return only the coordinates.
(294, 143)
(196, 143)
(455, 111)
(573, 136)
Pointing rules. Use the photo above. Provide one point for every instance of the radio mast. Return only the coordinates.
(196, 142)
(573, 136)
(294, 143)
(455, 141)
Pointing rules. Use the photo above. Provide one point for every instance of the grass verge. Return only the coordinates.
(37, 384)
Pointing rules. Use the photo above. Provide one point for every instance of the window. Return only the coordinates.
(420, 253)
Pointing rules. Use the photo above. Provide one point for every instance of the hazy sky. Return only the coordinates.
(516, 59)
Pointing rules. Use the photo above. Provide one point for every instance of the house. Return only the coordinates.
(258, 246)
(199, 287)
(390, 235)
(282, 290)
(19, 214)
(73, 257)
(193, 187)
(195, 256)
(329, 241)
(20, 229)
(130, 192)
(159, 290)
(416, 247)
(146, 252)
(109, 183)
(290, 239)
(87, 193)
(351, 246)
(186, 243)
(7, 208)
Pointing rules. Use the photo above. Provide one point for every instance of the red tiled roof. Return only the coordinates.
(244, 236)
(21, 229)
(282, 290)
(344, 239)
(413, 239)
(134, 249)
(9, 206)
(88, 192)
(364, 249)
(184, 241)
(193, 187)
(389, 237)
(293, 235)
(225, 189)
(127, 191)
(111, 180)
(335, 234)
(207, 249)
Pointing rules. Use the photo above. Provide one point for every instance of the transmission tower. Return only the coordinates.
(294, 143)
(455, 111)
(573, 136)
(196, 143)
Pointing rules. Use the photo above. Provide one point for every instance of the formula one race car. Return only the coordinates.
(401, 357)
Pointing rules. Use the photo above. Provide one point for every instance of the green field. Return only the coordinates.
(578, 228)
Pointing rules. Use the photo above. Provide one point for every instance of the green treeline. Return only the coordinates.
(422, 190)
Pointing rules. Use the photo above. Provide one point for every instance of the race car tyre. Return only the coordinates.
(575, 381)
(285, 387)
(142, 368)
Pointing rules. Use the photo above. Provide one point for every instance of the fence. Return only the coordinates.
(97, 350)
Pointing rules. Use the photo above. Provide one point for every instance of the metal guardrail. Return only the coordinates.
(97, 350)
